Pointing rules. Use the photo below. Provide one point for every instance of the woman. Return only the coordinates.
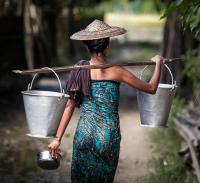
(96, 142)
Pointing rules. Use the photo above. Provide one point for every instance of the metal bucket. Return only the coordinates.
(154, 109)
(44, 109)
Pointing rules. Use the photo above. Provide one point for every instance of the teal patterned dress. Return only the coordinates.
(97, 138)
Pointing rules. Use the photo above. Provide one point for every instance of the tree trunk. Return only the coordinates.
(52, 19)
(28, 33)
(172, 46)
(176, 42)
(71, 28)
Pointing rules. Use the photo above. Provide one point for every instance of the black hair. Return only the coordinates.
(97, 45)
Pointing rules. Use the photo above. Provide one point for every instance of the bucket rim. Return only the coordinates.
(50, 93)
(164, 85)
(40, 136)
(153, 126)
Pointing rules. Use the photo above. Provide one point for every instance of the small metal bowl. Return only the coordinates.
(45, 160)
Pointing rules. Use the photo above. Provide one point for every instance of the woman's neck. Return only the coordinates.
(97, 59)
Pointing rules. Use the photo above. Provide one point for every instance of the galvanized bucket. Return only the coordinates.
(44, 109)
(154, 109)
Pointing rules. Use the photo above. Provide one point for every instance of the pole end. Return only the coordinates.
(17, 71)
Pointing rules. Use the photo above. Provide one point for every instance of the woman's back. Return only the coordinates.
(97, 137)
(104, 95)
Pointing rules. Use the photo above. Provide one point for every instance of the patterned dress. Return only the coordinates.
(97, 139)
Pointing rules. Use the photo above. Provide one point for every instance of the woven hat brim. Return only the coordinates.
(91, 35)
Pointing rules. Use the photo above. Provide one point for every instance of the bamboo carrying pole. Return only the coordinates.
(99, 66)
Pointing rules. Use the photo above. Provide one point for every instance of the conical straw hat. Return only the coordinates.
(97, 30)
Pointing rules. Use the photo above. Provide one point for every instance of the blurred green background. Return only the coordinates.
(35, 33)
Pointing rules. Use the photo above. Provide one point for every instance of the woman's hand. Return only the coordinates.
(69, 109)
(53, 147)
(158, 59)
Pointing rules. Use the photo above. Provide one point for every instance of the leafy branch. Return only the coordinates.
(189, 13)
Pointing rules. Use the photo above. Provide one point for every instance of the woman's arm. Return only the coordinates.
(132, 80)
(69, 109)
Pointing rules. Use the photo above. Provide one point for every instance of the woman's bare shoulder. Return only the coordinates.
(117, 72)
(117, 69)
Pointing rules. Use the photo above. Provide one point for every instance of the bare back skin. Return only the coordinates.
(121, 74)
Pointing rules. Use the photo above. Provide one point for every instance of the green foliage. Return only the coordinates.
(145, 6)
(85, 3)
(56, 6)
(189, 13)
(146, 53)
(169, 167)
(95, 11)
(192, 70)
(8, 7)
(53, 7)
(132, 6)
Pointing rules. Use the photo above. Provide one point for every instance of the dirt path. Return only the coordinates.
(135, 150)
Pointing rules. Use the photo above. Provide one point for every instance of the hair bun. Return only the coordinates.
(97, 45)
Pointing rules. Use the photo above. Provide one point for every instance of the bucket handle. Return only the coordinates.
(173, 82)
(31, 84)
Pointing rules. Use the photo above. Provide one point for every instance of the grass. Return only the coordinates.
(169, 167)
